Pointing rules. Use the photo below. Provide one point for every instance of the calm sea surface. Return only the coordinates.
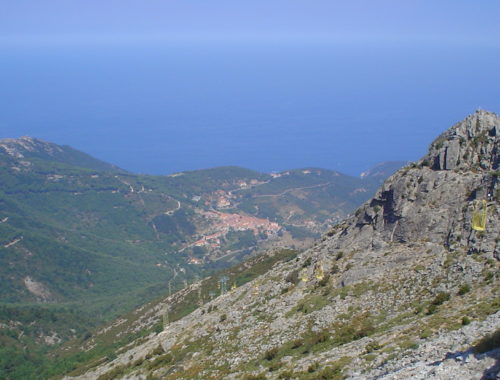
(169, 107)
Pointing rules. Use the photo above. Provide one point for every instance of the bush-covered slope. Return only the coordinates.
(74, 228)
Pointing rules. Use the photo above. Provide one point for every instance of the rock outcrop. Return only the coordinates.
(434, 198)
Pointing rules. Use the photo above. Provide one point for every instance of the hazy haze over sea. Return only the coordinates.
(163, 107)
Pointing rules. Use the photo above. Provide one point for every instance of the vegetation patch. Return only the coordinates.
(312, 303)
(330, 371)
(372, 346)
(408, 344)
(464, 289)
(271, 353)
(488, 343)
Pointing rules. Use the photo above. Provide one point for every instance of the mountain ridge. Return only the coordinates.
(27, 147)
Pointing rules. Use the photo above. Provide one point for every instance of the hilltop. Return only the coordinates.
(404, 288)
(26, 151)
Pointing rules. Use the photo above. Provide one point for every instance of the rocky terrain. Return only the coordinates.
(405, 288)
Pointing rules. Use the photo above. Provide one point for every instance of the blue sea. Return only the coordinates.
(168, 107)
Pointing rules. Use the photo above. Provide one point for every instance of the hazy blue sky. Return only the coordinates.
(458, 21)
(164, 86)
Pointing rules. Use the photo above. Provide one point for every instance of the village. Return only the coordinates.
(225, 222)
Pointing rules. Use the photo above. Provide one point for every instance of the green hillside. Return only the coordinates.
(76, 230)
(82, 237)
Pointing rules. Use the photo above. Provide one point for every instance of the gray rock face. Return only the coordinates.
(434, 198)
(468, 144)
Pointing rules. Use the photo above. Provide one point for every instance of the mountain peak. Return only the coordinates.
(471, 143)
(28, 148)
(434, 198)
(19, 147)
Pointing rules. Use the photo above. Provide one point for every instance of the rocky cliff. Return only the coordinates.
(434, 198)
(405, 288)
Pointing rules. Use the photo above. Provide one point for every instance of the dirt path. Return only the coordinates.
(170, 212)
(289, 190)
(13, 242)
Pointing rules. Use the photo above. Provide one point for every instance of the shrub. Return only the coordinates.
(409, 345)
(335, 269)
(271, 353)
(286, 375)
(158, 328)
(302, 307)
(160, 361)
(425, 334)
(431, 309)
(313, 367)
(357, 328)
(370, 357)
(158, 350)
(223, 317)
(307, 262)
(324, 280)
(488, 343)
(260, 376)
(339, 255)
(138, 362)
(285, 290)
(419, 268)
(465, 321)
(438, 145)
(372, 346)
(465, 288)
(115, 373)
(441, 298)
(330, 373)
(320, 337)
(489, 276)
(274, 367)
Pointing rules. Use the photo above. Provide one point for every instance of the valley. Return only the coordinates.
(81, 235)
